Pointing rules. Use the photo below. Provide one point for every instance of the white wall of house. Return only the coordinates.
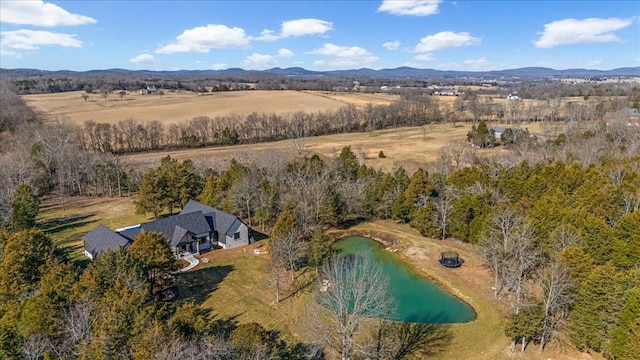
(243, 237)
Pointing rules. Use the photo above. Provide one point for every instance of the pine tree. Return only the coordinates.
(24, 207)
(624, 340)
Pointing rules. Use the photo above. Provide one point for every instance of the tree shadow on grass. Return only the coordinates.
(198, 285)
(64, 223)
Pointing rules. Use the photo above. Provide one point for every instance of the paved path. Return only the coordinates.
(193, 262)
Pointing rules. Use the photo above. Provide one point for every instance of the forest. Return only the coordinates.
(556, 220)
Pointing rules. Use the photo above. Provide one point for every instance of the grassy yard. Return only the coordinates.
(68, 224)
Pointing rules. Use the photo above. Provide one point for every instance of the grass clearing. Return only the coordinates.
(80, 215)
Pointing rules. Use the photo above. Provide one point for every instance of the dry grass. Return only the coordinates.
(174, 107)
(410, 147)
(358, 99)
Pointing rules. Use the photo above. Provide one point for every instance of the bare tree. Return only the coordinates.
(34, 347)
(498, 244)
(244, 194)
(444, 206)
(558, 296)
(357, 290)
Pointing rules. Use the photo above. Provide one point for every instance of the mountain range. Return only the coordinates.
(399, 72)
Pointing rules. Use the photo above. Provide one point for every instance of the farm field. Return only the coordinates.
(173, 107)
(411, 147)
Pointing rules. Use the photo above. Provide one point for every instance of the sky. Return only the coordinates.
(318, 35)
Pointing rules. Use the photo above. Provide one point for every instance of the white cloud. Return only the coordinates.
(11, 42)
(267, 35)
(480, 64)
(39, 13)
(423, 57)
(392, 45)
(204, 38)
(303, 27)
(410, 7)
(343, 56)
(297, 28)
(143, 59)
(586, 31)
(219, 66)
(259, 61)
(285, 53)
(445, 40)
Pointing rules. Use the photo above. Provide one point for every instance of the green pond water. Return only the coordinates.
(417, 299)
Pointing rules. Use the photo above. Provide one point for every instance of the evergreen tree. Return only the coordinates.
(347, 164)
(624, 340)
(333, 208)
(153, 250)
(168, 187)
(588, 320)
(24, 208)
(319, 249)
(24, 255)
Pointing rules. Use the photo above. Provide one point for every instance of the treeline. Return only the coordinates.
(130, 135)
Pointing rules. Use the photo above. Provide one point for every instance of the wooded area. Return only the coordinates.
(557, 220)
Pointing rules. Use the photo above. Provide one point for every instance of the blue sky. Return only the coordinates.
(318, 35)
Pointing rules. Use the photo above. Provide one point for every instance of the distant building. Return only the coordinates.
(513, 96)
(150, 90)
(447, 92)
(628, 116)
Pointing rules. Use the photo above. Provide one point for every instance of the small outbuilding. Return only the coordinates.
(450, 259)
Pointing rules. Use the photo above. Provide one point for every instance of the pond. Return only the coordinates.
(417, 299)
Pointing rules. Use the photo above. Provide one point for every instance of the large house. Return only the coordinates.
(196, 228)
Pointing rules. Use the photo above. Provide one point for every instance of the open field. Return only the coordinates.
(240, 275)
(410, 147)
(173, 107)
(358, 99)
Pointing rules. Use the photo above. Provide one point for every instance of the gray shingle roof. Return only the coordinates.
(222, 221)
(102, 239)
(195, 218)
(193, 222)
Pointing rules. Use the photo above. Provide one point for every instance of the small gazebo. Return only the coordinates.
(450, 259)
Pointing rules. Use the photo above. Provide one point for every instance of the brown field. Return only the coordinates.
(358, 99)
(410, 147)
(174, 106)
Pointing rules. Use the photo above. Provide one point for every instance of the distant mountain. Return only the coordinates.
(399, 72)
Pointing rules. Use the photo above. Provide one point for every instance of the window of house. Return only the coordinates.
(236, 236)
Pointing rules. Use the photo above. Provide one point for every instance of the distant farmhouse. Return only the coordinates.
(627, 116)
(447, 92)
(150, 90)
(513, 96)
(196, 228)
